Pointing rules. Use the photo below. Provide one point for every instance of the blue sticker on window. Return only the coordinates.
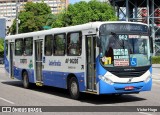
(133, 61)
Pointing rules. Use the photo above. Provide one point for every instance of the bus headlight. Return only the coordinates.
(103, 78)
(147, 79)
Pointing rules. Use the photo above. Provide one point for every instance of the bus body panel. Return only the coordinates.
(6, 63)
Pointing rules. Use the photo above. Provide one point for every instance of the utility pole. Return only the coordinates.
(17, 20)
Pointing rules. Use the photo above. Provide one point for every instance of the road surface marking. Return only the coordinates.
(145, 113)
(6, 100)
(156, 84)
(2, 80)
(156, 74)
(156, 79)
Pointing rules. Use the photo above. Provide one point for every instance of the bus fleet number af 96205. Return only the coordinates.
(71, 61)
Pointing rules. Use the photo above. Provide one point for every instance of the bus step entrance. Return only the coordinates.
(12, 77)
(91, 92)
(39, 83)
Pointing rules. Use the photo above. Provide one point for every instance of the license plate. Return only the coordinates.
(129, 88)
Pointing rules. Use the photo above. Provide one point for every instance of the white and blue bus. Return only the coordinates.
(97, 57)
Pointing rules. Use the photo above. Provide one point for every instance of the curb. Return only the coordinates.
(156, 65)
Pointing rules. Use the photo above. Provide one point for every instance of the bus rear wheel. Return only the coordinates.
(26, 83)
(74, 88)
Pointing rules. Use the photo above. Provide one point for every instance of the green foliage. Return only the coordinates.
(33, 18)
(156, 60)
(84, 12)
(36, 15)
(1, 47)
(1, 44)
(50, 19)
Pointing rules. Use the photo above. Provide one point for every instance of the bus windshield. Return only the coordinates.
(124, 50)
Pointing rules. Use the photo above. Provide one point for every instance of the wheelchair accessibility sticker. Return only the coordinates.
(133, 62)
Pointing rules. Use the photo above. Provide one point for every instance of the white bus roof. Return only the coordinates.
(86, 26)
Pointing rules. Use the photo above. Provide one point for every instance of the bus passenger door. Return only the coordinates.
(38, 62)
(11, 60)
(91, 62)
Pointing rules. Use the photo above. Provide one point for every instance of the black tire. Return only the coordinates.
(74, 88)
(26, 83)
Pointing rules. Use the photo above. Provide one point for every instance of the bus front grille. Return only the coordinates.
(128, 74)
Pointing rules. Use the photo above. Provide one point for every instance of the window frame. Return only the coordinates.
(25, 45)
(80, 46)
(55, 44)
(51, 45)
(22, 47)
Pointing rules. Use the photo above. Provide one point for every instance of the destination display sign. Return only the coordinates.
(123, 28)
(121, 57)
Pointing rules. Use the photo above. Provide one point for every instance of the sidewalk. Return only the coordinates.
(156, 65)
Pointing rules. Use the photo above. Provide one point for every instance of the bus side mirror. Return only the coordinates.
(98, 41)
(151, 44)
(150, 31)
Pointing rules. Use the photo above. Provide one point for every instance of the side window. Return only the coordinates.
(48, 45)
(74, 43)
(18, 47)
(59, 44)
(6, 47)
(28, 46)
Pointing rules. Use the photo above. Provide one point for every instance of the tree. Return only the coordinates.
(32, 18)
(50, 19)
(84, 12)
(1, 47)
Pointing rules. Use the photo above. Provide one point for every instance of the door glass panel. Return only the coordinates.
(91, 67)
(38, 52)
(11, 59)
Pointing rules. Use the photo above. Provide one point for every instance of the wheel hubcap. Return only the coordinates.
(25, 80)
(74, 88)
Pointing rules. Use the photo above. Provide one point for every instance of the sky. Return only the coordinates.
(74, 1)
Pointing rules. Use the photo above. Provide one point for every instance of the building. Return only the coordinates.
(8, 7)
(5, 23)
(8, 10)
(2, 27)
(56, 5)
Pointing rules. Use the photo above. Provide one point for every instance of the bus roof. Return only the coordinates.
(86, 26)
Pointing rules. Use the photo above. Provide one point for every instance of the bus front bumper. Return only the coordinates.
(124, 88)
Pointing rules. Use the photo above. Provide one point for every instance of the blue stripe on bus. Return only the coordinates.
(6, 64)
(150, 69)
(105, 88)
(52, 78)
(18, 74)
(58, 79)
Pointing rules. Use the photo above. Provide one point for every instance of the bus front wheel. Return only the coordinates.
(25, 80)
(74, 88)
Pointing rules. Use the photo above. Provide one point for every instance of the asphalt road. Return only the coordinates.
(12, 93)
